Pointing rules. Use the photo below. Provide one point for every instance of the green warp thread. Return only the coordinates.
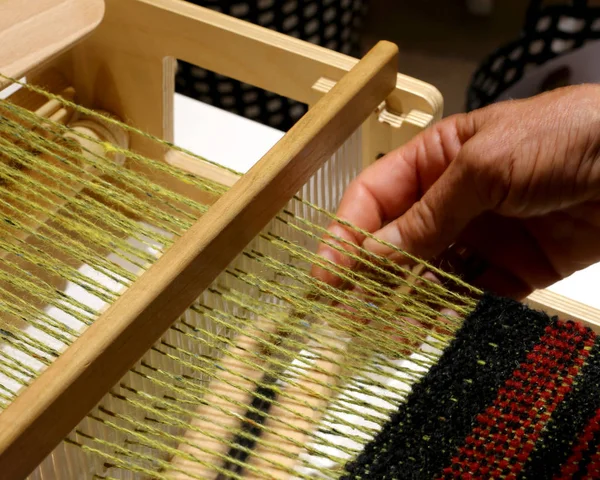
(118, 222)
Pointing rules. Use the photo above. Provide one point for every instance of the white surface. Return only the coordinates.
(220, 136)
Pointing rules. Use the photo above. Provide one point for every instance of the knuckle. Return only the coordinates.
(423, 222)
(488, 172)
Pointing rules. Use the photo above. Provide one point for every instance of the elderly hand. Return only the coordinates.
(517, 183)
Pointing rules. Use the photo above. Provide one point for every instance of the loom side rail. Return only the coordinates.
(565, 308)
(54, 404)
(144, 38)
(249, 53)
(39, 30)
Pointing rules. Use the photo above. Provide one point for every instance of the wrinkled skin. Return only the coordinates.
(518, 183)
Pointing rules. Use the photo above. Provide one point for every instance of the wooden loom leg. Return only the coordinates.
(56, 402)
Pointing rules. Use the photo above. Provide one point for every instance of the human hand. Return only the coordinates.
(517, 183)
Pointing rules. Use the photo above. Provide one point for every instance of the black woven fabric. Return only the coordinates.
(514, 396)
(549, 32)
(334, 24)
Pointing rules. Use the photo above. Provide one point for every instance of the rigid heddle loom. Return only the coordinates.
(159, 319)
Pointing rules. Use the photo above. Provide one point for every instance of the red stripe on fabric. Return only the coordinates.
(506, 433)
(571, 467)
(593, 470)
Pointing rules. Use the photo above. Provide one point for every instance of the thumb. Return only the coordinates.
(435, 221)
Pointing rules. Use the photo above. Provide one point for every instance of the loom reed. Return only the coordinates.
(270, 372)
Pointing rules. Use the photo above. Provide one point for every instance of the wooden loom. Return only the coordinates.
(119, 56)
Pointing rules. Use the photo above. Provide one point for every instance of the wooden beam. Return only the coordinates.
(63, 394)
(37, 31)
(565, 308)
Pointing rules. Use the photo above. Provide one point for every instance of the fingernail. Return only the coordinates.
(324, 272)
(389, 234)
(328, 254)
(432, 277)
(448, 313)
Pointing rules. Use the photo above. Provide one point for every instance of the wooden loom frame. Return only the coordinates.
(103, 54)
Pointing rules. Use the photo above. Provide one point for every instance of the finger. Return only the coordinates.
(388, 188)
(435, 221)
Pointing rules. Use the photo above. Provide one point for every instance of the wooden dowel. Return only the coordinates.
(61, 397)
(49, 108)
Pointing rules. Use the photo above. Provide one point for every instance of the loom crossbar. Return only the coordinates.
(53, 405)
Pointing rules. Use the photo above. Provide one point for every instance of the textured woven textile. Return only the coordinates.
(516, 395)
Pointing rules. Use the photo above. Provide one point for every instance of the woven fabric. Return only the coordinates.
(334, 24)
(550, 31)
(515, 396)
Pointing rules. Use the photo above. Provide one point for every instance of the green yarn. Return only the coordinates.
(63, 206)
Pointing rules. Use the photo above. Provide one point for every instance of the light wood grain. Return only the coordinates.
(34, 31)
(250, 53)
(565, 308)
(141, 38)
(54, 404)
